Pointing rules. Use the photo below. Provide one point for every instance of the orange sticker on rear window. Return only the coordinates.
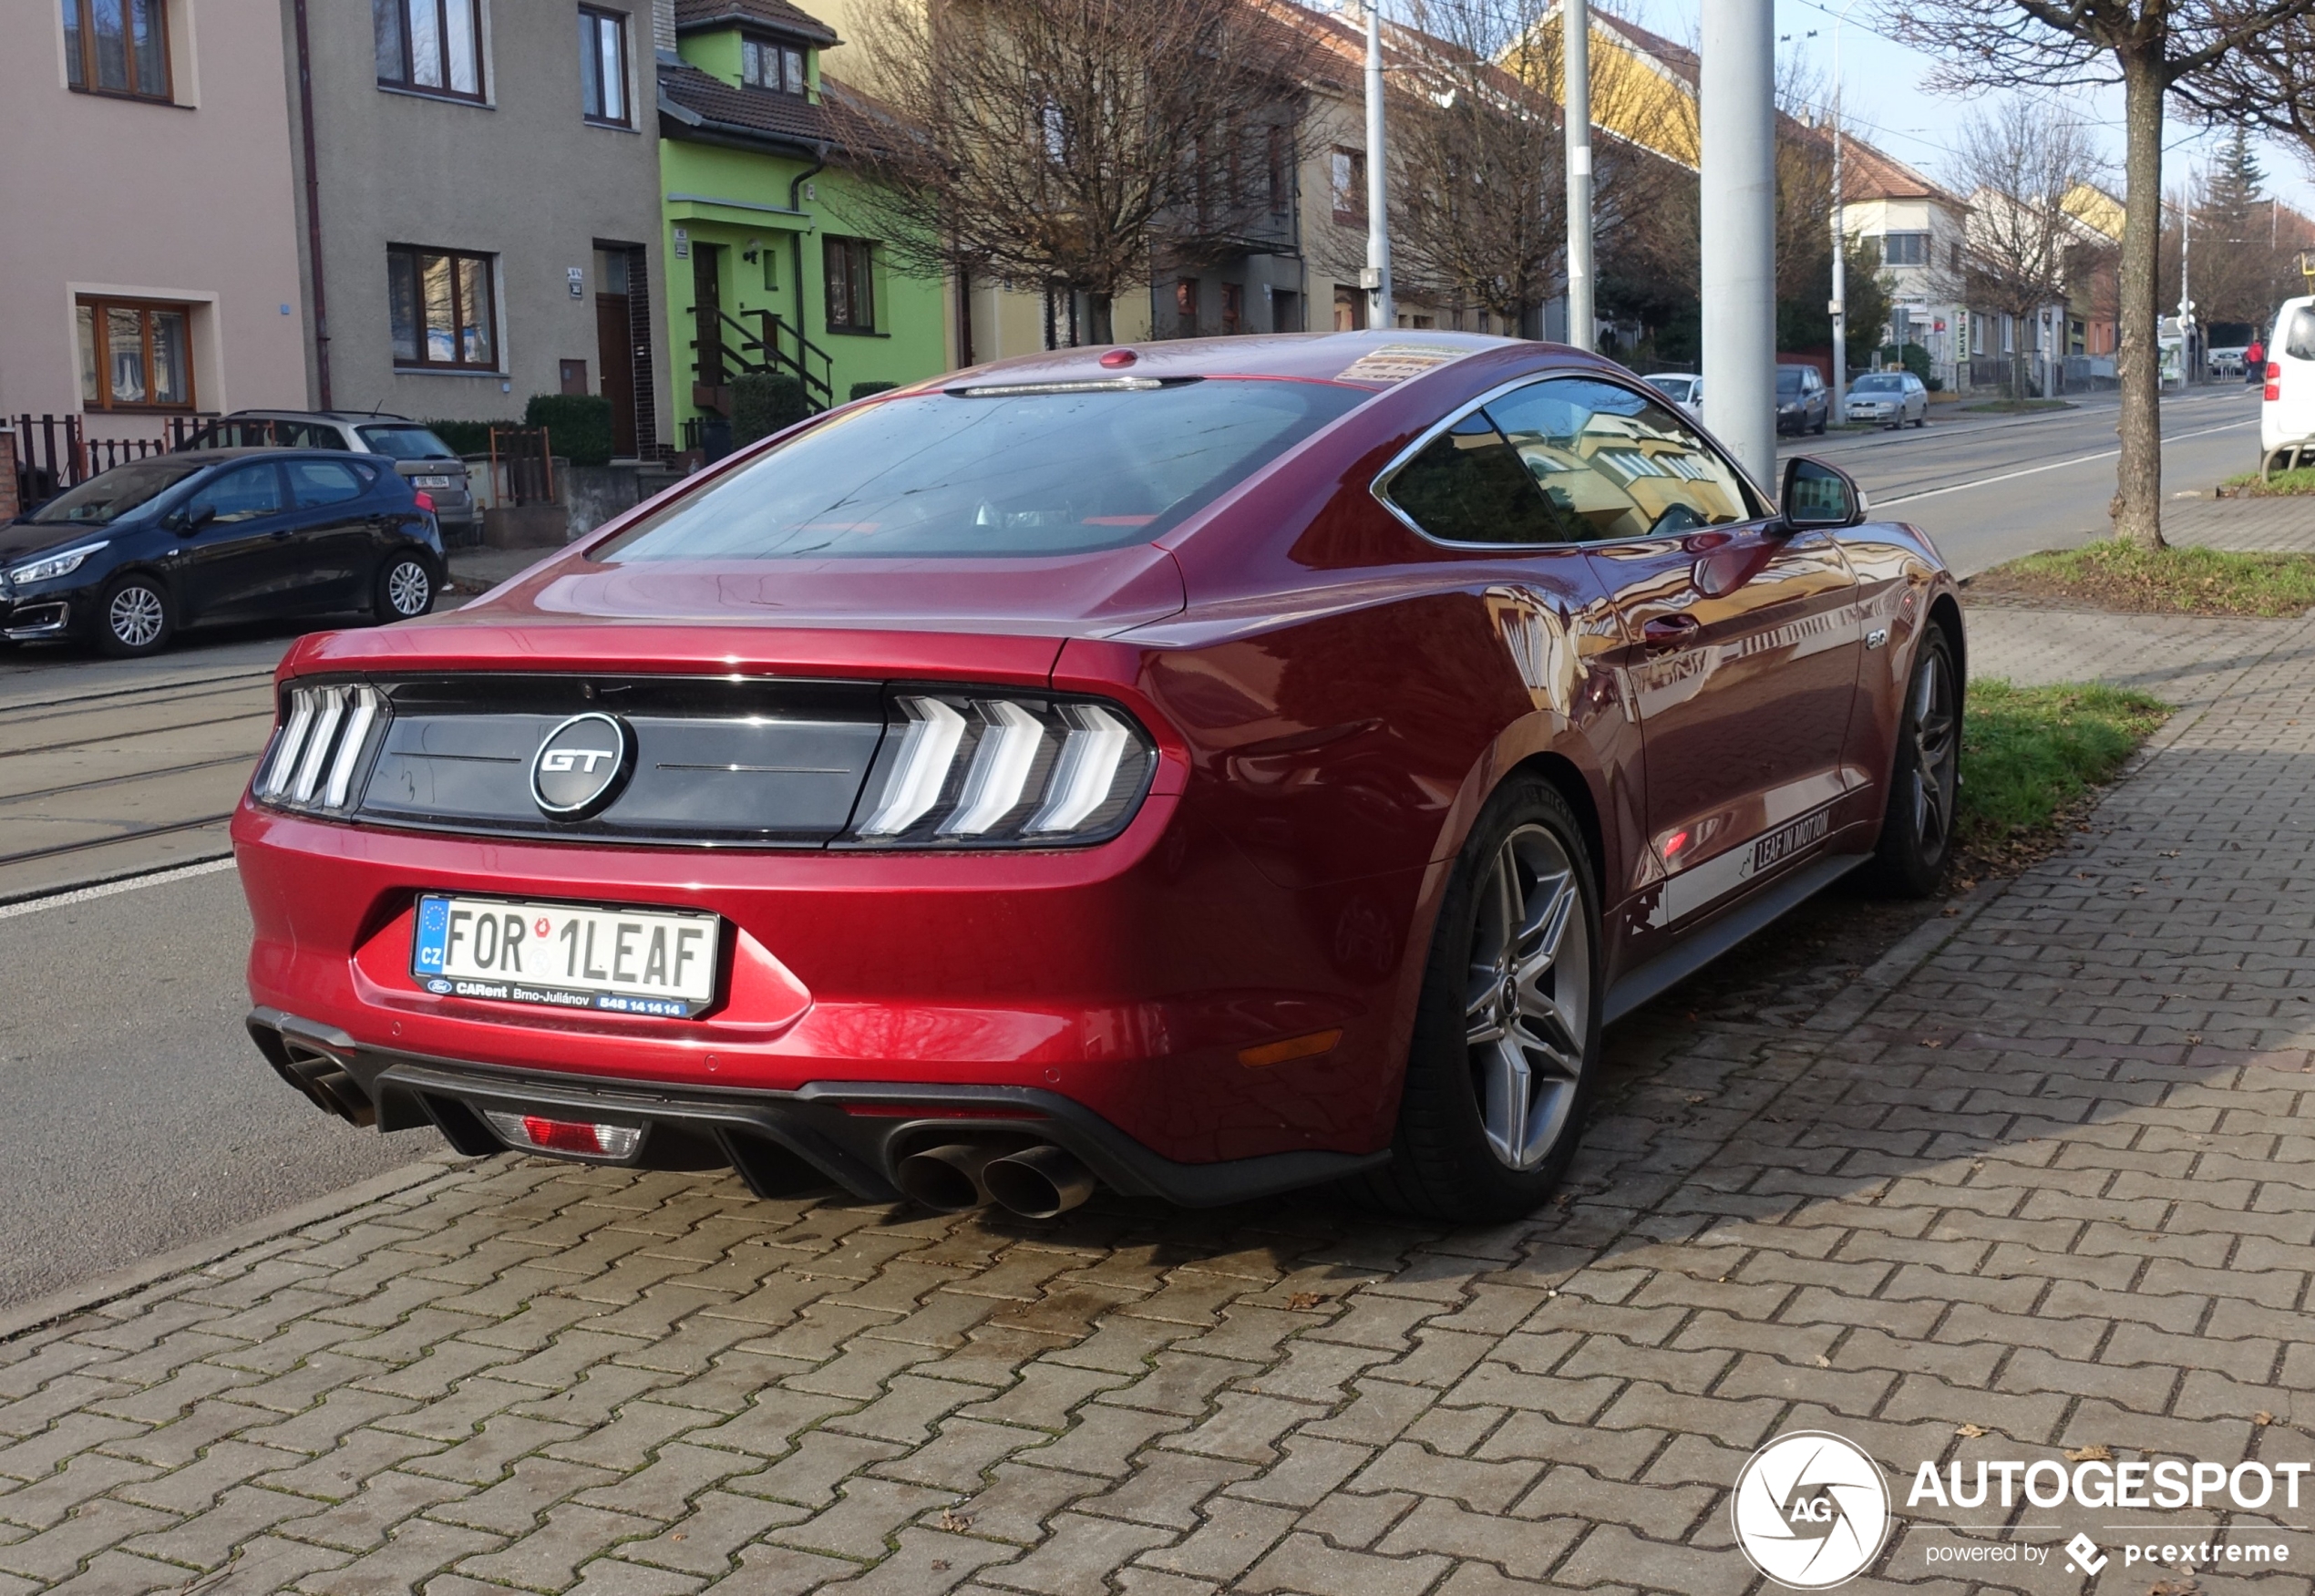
(1395, 362)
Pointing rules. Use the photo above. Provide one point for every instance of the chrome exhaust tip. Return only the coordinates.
(947, 1178)
(1038, 1183)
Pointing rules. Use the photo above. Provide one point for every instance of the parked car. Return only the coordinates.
(2227, 362)
(135, 553)
(1804, 403)
(1201, 770)
(418, 454)
(1889, 397)
(2287, 415)
(1683, 388)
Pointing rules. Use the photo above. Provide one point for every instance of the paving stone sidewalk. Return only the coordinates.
(2052, 1188)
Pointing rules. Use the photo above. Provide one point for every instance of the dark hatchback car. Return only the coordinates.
(129, 556)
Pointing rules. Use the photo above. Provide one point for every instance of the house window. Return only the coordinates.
(1346, 179)
(602, 65)
(433, 46)
(135, 355)
(1185, 307)
(778, 67)
(1906, 249)
(1954, 258)
(1233, 308)
(117, 47)
(852, 291)
(1281, 189)
(443, 308)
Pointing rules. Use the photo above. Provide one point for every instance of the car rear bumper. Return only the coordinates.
(851, 1134)
(1120, 986)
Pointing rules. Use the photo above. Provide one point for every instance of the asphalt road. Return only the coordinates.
(135, 1115)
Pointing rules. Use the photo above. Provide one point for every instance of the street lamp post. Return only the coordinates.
(1378, 188)
(1575, 31)
(1737, 89)
(1839, 307)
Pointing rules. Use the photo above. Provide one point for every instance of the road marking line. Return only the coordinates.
(208, 866)
(1879, 504)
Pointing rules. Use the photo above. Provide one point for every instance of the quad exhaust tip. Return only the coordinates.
(1038, 1182)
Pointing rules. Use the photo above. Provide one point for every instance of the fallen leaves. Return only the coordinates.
(1971, 1432)
(2092, 1454)
(2262, 1418)
(1302, 1299)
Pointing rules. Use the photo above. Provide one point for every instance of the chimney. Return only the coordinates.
(663, 28)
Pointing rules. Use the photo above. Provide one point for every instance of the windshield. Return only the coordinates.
(106, 497)
(946, 475)
(1788, 382)
(404, 442)
(1883, 384)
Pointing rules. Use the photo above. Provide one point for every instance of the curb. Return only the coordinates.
(122, 1282)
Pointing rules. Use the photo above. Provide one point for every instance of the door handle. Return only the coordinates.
(1665, 633)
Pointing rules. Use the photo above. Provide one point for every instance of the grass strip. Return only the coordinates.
(2116, 575)
(2030, 755)
(2281, 485)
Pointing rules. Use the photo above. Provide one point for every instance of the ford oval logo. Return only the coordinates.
(582, 766)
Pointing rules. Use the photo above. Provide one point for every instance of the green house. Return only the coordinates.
(767, 267)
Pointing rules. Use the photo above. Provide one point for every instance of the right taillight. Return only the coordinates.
(2274, 381)
(966, 769)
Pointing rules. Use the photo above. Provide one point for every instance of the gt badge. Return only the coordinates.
(582, 766)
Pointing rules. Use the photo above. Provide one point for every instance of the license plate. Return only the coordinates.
(653, 962)
(430, 482)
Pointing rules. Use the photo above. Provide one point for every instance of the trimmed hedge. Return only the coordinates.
(763, 402)
(466, 438)
(578, 426)
(862, 390)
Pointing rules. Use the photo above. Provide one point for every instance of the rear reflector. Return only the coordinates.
(1292, 1048)
(563, 1136)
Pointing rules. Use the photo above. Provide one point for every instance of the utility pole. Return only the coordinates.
(1738, 117)
(2185, 298)
(1385, 313)
(1575, 30)
(1839, 307)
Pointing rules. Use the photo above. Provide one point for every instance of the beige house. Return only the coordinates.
(151, 249)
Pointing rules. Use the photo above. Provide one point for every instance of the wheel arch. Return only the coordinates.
(1568, 778)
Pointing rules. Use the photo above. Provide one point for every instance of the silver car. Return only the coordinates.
(1683, 388)
(1889, 397)
(428, 464)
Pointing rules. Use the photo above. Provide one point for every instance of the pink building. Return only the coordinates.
(149, 246)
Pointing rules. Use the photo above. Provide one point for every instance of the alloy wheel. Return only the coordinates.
(136, 616)
(1527, 1008)
(1936, 749)
(407, 589)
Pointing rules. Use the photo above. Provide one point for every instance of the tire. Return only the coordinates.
(1916, 827)
(135, 618)
(1490, 1114)
(1921, 420)
(405, 588)
(1823, 422)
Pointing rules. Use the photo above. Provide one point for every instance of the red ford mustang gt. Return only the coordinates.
(1201, 770)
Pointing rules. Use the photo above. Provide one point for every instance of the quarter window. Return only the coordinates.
(314, 483)
(443, 309)
(602, 65)
(778, 67)
(1467, 486)
(135, 356)
(117, 47)
(433, 46)
(851, 290)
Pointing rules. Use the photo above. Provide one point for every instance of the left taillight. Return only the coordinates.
(963, 769)
(325, 739)
(426, 501)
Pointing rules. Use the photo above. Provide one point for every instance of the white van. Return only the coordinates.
(2287, 419)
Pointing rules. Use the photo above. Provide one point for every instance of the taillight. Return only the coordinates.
(426, 501)
(565, 1136)
(965, 768)
(2274, 381)
(327, 734)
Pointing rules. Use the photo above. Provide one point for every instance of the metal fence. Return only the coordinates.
(55, 452)
(522, 466)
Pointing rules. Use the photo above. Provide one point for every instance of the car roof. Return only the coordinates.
(1312, 356)
(344, 416)
(250, 451)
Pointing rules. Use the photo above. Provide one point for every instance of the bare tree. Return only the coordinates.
(2153, 48)
(1070, 143)
(2019, 164)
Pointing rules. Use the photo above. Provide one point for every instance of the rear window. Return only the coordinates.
(109, 495)
(404, 442)
(1877, 385)
(1008, 473)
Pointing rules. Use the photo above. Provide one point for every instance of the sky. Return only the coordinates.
(1883, 98)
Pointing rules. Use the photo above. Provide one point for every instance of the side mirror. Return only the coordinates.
(189, 521)
(1818, 495)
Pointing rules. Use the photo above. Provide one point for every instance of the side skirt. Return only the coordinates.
(1685, 957)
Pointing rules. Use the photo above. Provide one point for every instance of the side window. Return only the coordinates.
(1469, 487)
(2298, 342)
(1617, 465)
(314, 483)
(243, 494)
